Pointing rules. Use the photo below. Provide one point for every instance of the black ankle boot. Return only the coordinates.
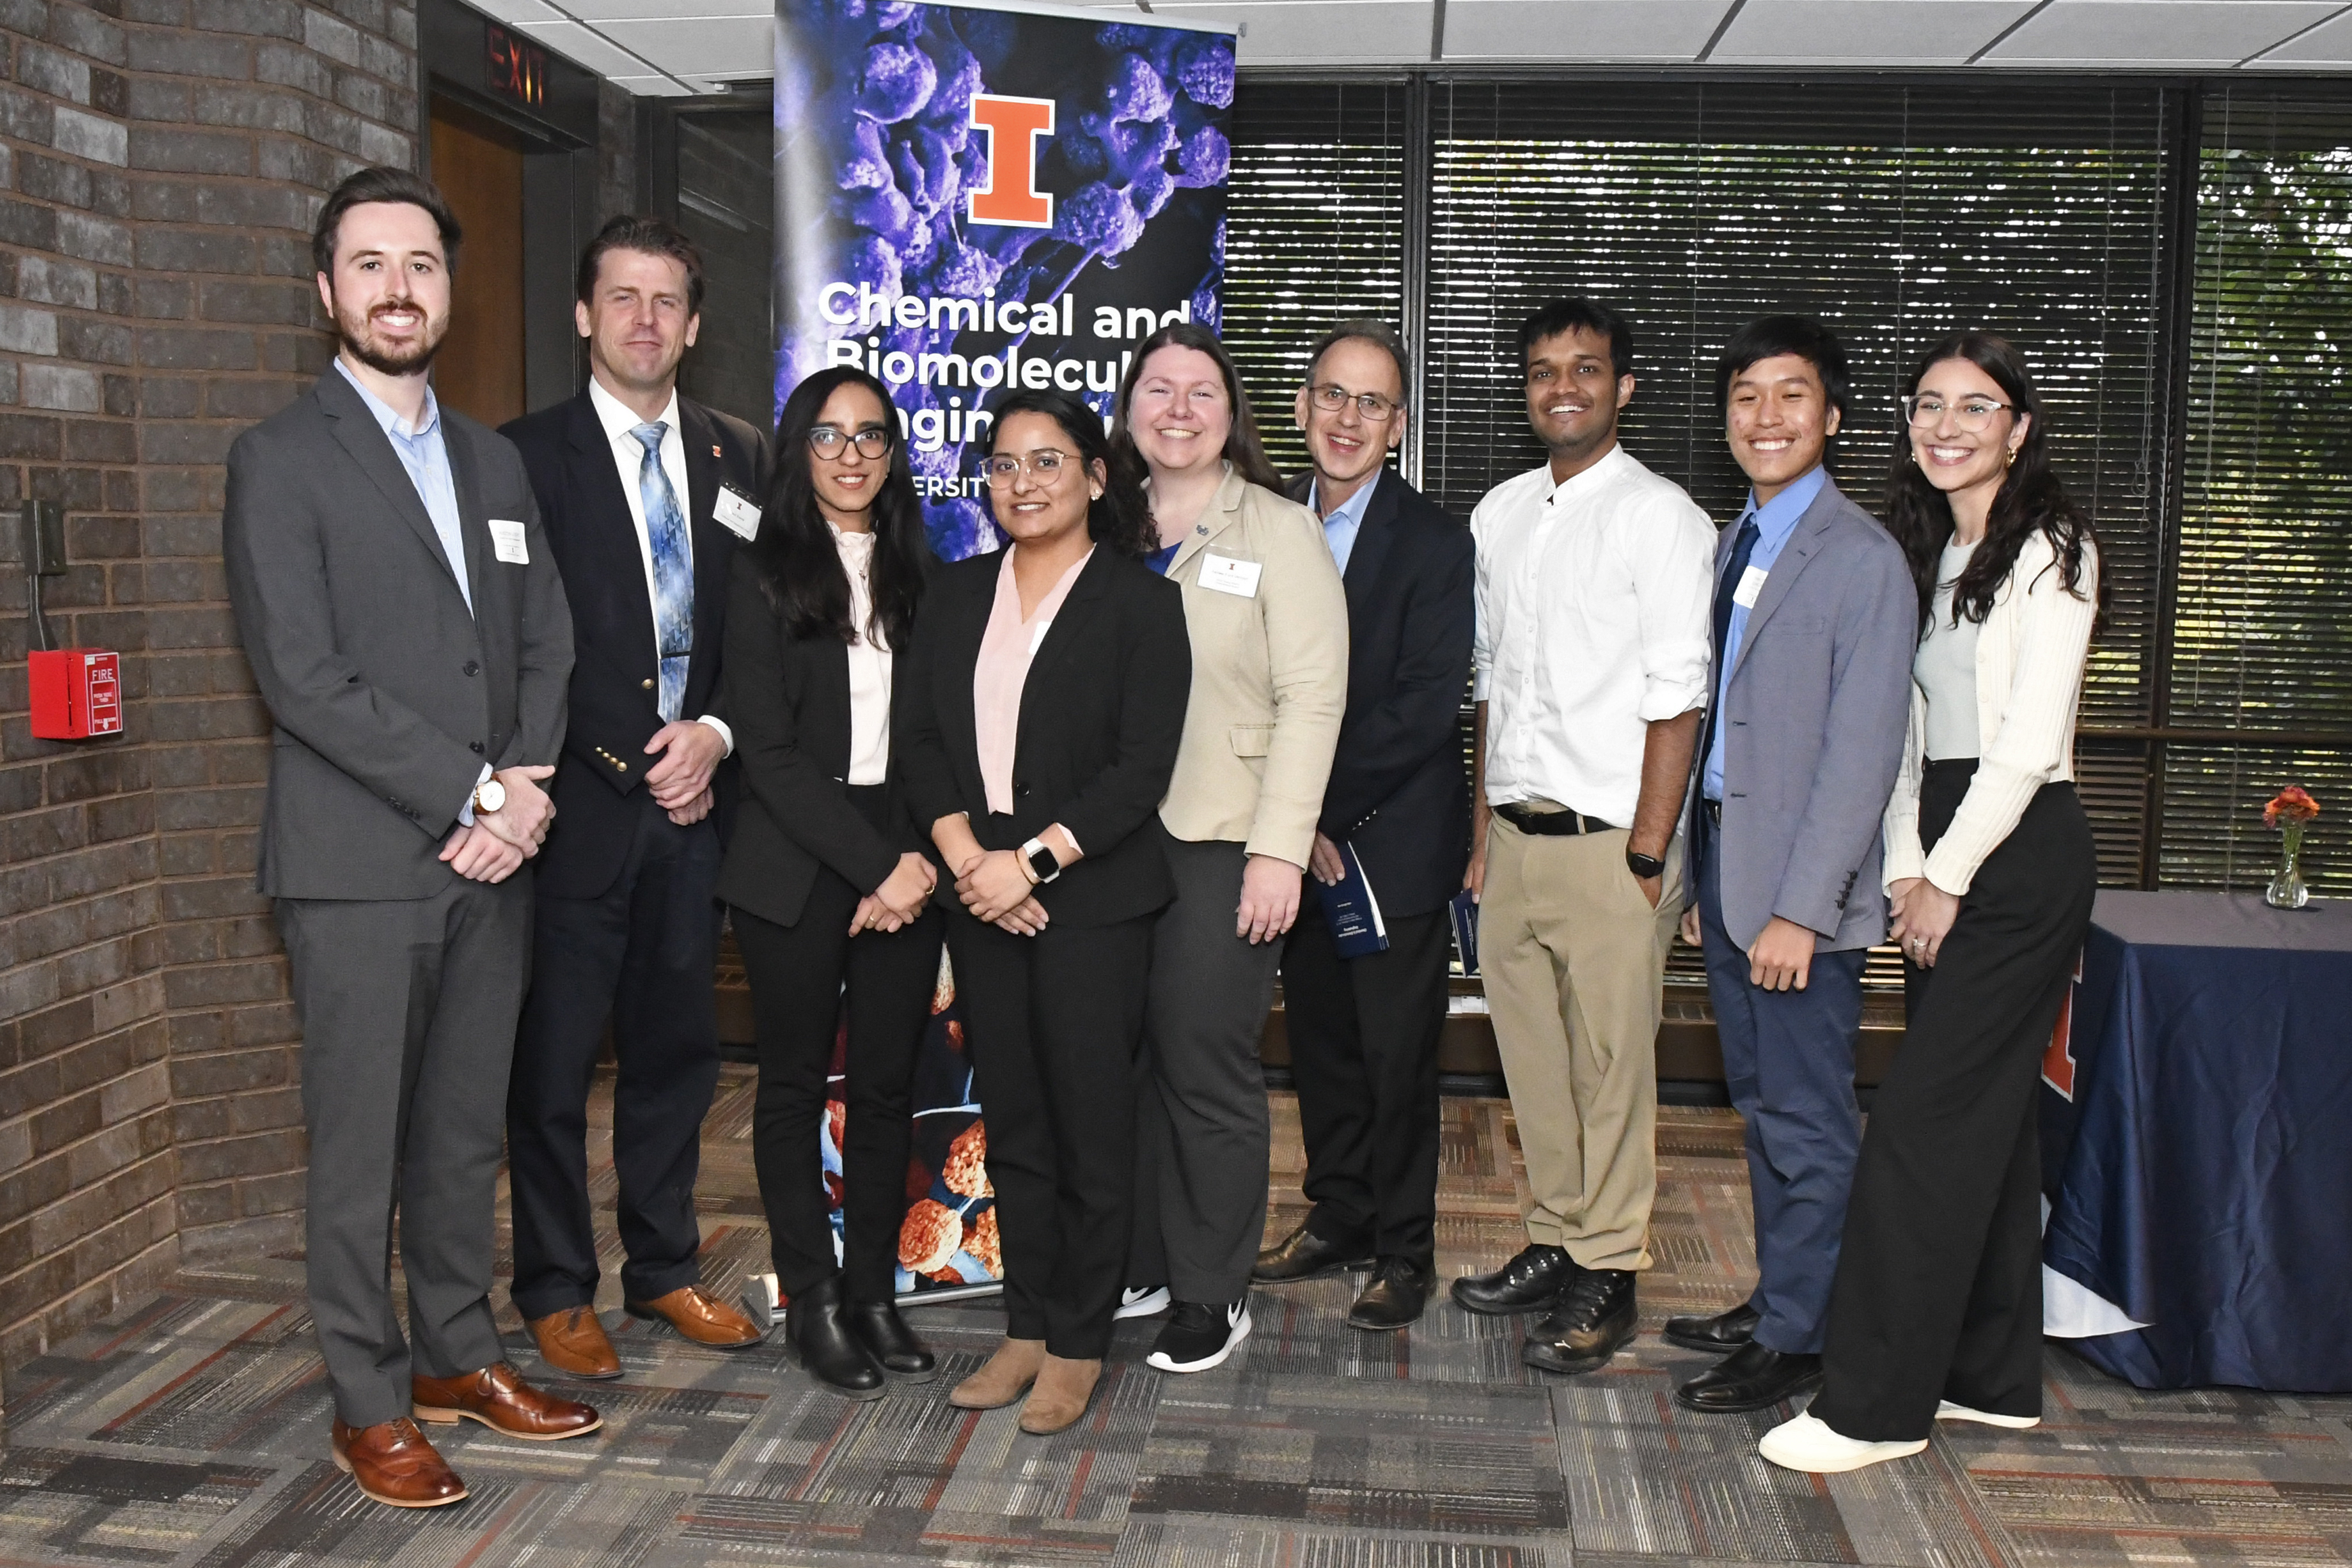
(816, 1326)
(888, 1340)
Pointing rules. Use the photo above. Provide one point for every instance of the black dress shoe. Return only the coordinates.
(1531, 1283)
(1595, 1315)
(816, 1325)
(1302, 1255)
(888, 1340)
(1397, 1291)
(1723, 1333)
(1753, 1377)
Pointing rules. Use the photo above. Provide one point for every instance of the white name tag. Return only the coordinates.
(1227, 575)
(740, 517)
(506, 538)
(1751, 584)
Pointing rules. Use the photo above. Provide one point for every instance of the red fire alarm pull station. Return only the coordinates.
(76, 692)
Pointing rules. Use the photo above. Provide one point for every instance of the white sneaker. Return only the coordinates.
(1806, 1444)
(1948, 1411)
(1141, 1303)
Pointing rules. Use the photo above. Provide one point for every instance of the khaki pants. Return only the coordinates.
(1574, 963)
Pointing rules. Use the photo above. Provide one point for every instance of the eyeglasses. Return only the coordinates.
(1925, 410)
(1044, 466)
(1331, 398)
(827, 442)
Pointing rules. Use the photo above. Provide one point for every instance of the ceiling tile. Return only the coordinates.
(2329, 44)
(2204, 34)
(1317, 31)
(599, 12)
(1602, 31)
(703, 46)
(1864, 32)
(652, 86)
(584, 46)
(517, 11)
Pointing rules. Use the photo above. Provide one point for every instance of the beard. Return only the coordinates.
(358, 335)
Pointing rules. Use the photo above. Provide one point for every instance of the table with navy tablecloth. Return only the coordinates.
(2196, 1144)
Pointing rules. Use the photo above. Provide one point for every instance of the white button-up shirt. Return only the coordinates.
(619, 419)
(1593, 624)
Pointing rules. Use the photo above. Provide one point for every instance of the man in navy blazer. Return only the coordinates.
(1815, 621)
(1363, 1030)
(645, 495)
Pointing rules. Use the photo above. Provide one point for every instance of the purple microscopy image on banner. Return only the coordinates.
(971, 199)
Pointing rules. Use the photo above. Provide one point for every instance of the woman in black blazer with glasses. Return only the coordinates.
(826, 874)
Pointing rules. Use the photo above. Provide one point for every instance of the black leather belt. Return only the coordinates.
(1551, 823)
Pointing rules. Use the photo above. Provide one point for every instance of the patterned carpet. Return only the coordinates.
(192, 1430)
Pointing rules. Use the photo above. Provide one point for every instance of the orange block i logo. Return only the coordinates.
(1011, 197)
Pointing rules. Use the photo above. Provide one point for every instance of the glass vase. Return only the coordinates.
(2286, 890)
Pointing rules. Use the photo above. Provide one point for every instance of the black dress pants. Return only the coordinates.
(797, 974)
(1054, 1022)
(1363, 1054)
(644, 953)
(1938, 1291)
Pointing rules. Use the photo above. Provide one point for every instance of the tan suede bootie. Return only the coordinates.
(1004, 1378)
(1061, 1395)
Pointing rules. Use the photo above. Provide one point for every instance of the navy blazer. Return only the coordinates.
(614, 706)
(1812, 723)
(1399, 789)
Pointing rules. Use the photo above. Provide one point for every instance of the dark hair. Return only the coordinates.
(1770, 337)
(1363, 329)
(1119, 517)
(382, 185)
(2032, 498)
(650, 235)
(1580, 314)
(798, 563)
(1242, 447)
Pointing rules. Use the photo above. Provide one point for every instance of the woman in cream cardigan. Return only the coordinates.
(1268, 622)
(1937, 1311)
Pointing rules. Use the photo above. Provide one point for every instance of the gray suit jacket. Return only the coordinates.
(1812, 727)
(387, 696)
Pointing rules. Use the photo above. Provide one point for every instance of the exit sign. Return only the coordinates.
(517, 69)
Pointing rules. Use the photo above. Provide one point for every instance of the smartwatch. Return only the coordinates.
(489, 795)
(1043, 865)
(1644, 865)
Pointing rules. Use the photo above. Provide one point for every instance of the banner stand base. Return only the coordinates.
(763, 1298)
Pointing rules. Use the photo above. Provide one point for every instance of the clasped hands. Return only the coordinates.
(1923, 914)
(899, 900)
(499, 841)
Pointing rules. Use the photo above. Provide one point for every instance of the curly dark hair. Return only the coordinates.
(797, 561)
(2033, 499)
(1244, 450)
(1119, 517)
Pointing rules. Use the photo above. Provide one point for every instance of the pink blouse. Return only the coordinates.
(1003, 670)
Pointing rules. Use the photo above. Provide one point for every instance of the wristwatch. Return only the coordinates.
(489, 795)
(1042, 867)
(1644, 865)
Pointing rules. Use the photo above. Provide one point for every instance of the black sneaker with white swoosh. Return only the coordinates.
(1200, 1335)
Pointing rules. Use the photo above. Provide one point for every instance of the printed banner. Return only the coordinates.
(971, 199)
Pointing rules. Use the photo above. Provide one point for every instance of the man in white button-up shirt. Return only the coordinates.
(1592, 660)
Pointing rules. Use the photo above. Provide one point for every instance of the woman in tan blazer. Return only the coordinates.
(1268, 622)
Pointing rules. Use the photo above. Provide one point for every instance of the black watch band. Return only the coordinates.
(1644, 865)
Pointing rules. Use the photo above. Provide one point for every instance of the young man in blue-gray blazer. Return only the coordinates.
(1815, 618)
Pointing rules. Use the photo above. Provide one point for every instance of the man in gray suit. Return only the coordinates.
(1815, 619)
(405, 622)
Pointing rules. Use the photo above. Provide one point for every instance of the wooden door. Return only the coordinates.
(478, 164)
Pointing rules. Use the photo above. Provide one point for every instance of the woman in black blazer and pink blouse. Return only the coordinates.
(1039, 718)
(826, 873)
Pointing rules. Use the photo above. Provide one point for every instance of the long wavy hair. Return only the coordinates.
(1244, 450)
(1119, 517)
(799, 566)
(2031, 499)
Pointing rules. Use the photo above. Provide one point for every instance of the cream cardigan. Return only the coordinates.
(2030, 653)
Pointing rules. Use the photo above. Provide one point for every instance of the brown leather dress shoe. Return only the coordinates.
(499, 1398)
(573, 1341)
(704, 1319)
(395, 1465)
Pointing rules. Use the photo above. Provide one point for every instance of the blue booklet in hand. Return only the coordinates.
(1465, 931)
(1357, 928)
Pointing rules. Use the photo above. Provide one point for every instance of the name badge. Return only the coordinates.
(737, 513)
(1226, 575)
(1751, 584)
(506, 538)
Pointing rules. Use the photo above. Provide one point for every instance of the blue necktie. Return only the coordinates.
(1742, 547)
(673, 571)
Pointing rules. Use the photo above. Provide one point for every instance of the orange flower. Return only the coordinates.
(2293, 803)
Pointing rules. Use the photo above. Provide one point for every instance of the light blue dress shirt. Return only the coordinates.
(1776, 522)
(1347, 521)
(426, 458)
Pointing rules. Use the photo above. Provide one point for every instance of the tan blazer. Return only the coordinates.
(1269, 675)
